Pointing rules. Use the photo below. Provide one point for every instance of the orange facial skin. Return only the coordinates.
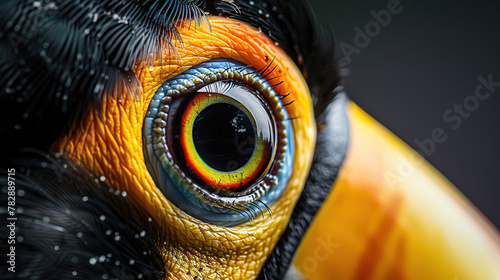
(111, 145)
(391, 215)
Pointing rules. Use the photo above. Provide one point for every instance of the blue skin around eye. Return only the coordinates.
(172, 186)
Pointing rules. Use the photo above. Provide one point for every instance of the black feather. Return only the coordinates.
(70, 225)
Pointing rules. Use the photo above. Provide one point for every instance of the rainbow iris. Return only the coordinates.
(227, 144)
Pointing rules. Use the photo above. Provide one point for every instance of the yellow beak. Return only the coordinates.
(391, 215)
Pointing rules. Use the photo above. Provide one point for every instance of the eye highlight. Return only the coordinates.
(218, 142)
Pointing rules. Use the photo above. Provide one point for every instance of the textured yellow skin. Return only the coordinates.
(393, 216)
(111, 145)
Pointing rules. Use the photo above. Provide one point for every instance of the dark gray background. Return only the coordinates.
(423, 62)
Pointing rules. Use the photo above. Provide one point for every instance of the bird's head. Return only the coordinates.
(197, 113)
(185, 139)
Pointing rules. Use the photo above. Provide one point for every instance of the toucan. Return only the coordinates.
(209, 139)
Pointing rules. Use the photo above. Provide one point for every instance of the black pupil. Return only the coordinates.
(224, 137)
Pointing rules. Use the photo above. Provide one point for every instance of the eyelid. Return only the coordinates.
(226, 38)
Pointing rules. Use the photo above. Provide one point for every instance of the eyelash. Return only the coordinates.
(269, 75)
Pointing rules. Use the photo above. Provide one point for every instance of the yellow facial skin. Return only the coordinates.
(111, 145)
(391, 215)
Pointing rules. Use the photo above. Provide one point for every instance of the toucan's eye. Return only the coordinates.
(218, 142)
